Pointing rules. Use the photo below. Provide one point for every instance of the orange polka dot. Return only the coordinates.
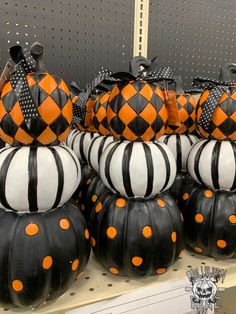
(137, 261)
(93, 242)
(98, 207)
(161, 271)
(31, 229)
(120, 202)
(173, 236)
(208, 193)
(64, 224)
(94, 198)
(111, 232)
(147, 232)
(198, 249)
(86, 234)
(88, 181)
(199, 218)
(75, 264)
(161, 202)
(185, 196)
(232, 219)
(17, 285)
(47, 262)
(221, 244)
(113, 270)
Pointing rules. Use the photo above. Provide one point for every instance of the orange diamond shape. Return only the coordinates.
(30, 80)
(218, 116)
(233, 96)
(224, 97)
(6, 138)
(103, 130)
(183, 115)
(110, 114)
(129, 135)
(218, 134)
(149, 113)
(204, 97)
(146, 92)
(161, 132)
(23, 137)
(182, 100)
(6, 89)
(48, 84)
(233, 136)
(163, 113)
(49, 110)
(159, 92)
(3, 111)
(148, 135)
(64, 87)
(47, 136)
(233, 116)
(128, 91)
(104, 99)
(101, 114)
(64, 135)
(17, 114)
(114, 92)
(67, 111)
(126, 113)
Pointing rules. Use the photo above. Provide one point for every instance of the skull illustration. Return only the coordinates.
(204, 290)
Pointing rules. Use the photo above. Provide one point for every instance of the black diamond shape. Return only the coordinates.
(59, 125)
(139, 85)
(38, 76)
(228, 106)
(96, 122)
(157, 124)
(189, 122)
(117, 103)
(228, 127)
(157, 102)
(138, 126)
(189, 107)
(9, 100)
(104, 122)
(57, 79)
(38, 94)
(8, 125)
(59, 97)
(138, 103)
(37, 126)
(117, 125)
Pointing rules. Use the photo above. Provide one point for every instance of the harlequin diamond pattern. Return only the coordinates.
(100, 114)
(51, 95)
(223, 122)
(187, 112)
(136, 111)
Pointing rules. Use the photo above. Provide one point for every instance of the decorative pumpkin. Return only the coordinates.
(209, 220)
(133, 237)
(70, 137)
(87, 124)
(221, 96)
(34, 178)
(79, 142)
(182, 178)
(42, 254)
(186, 105)
(88, 193)
(213, 163)
(137, 169)
(96, 148)
(136, 109)
(180, 146)
(50, 98)
(99, 115)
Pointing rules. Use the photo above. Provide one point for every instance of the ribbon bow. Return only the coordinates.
(25, 63)
(216, 89)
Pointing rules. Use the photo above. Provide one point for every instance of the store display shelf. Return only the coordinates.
(96, 284)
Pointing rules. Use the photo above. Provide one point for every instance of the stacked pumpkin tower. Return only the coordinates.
(209, 204)
(135, 226)
(44, 240)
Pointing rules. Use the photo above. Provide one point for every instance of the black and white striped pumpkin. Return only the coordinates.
(137, 169)
(180, 145)
(37, 178)
(96, 149)
(213, 163)
(80, 142)
(69, 137)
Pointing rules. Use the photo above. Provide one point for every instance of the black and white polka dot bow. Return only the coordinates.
(216, 89)
(25, 63)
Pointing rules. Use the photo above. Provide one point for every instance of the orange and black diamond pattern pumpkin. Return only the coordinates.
(47, 95)
(136, 237)
(217, 104)
(136, 111)
(99, 115)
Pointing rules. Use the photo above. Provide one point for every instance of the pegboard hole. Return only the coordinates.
(91, 289)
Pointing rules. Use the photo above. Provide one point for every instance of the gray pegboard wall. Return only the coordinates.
(80, 35)
(195, 37)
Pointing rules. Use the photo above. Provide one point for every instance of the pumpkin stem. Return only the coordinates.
(226, 72)
(37, 52)
(178, 85)
(137, 62)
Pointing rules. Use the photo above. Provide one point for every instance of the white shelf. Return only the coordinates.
(95, 284)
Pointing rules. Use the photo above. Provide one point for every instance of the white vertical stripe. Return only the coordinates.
(226, 165)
